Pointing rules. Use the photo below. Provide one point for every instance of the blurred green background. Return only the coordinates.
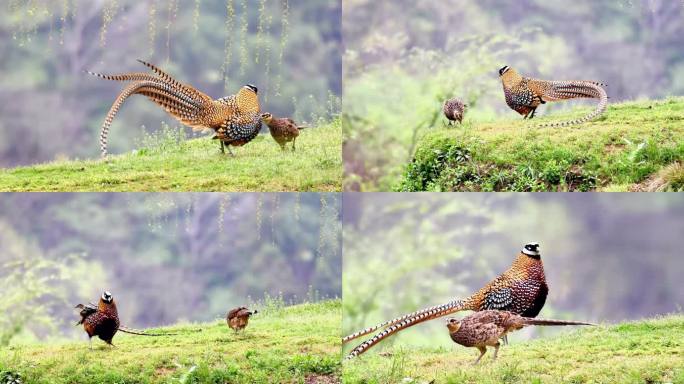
(166, 257)
(607, 257)
(50, 109)
(403, 58)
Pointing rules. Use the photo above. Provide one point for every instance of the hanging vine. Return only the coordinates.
(267, 53)
(321, 225)
(152, 25)
(109, 11)
(284, 30)
(297, 205)
(244, 29)
(275, 201)
(259, 202)
(171, 18)
(63, 20)
(228, 43)
(260, 30)
(195, 17)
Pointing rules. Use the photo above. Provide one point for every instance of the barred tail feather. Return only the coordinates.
(133, 76)
(389, 322)
(179, 104)
(421, 316)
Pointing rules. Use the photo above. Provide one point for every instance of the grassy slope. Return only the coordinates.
(296, 344)
(197, 165)
(648, 351)
(633, 146)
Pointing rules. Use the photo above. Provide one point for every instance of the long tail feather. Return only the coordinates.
(142, 333)
(165, 76)
(577, 89)
(132, 76)
(531, 321)
(421, 316)
(368, 330)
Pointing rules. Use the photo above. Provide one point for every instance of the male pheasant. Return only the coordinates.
(102, 320)
(234, 119)
(524, 94)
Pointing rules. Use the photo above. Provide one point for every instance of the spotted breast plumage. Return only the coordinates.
(524, 94)
(234, 119)
(521, 289)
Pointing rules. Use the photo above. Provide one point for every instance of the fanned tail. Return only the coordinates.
(406, 322)
(563, 90)
(531, 321)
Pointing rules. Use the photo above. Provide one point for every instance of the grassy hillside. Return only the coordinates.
(170, 163)
(298, 344)
(639, 352)
(634, 146)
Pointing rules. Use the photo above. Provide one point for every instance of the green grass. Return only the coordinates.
(171, 163)
(634, 146)
(297, 344)
(649, 351)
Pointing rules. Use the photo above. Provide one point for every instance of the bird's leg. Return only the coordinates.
(90, 342)
(229, 151)
(496, 350)
(505, 339)
(533, 111)
(483, 350)
(293, 146)
(223, 151)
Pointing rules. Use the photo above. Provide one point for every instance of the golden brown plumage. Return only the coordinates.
(485, 328)
(283, 130)
(521, 289)
(237, 318)
(524, 94)
(235, 118)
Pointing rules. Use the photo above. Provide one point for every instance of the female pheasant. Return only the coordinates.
(485, 328)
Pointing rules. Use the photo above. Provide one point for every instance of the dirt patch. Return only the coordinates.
(322, 379)
(163, 371)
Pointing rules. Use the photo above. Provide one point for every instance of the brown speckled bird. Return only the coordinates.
(524, 94)
(521, 289)
(234, 119)
(283, 130)
(485, 328)
(237, 318)
(454, 109)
